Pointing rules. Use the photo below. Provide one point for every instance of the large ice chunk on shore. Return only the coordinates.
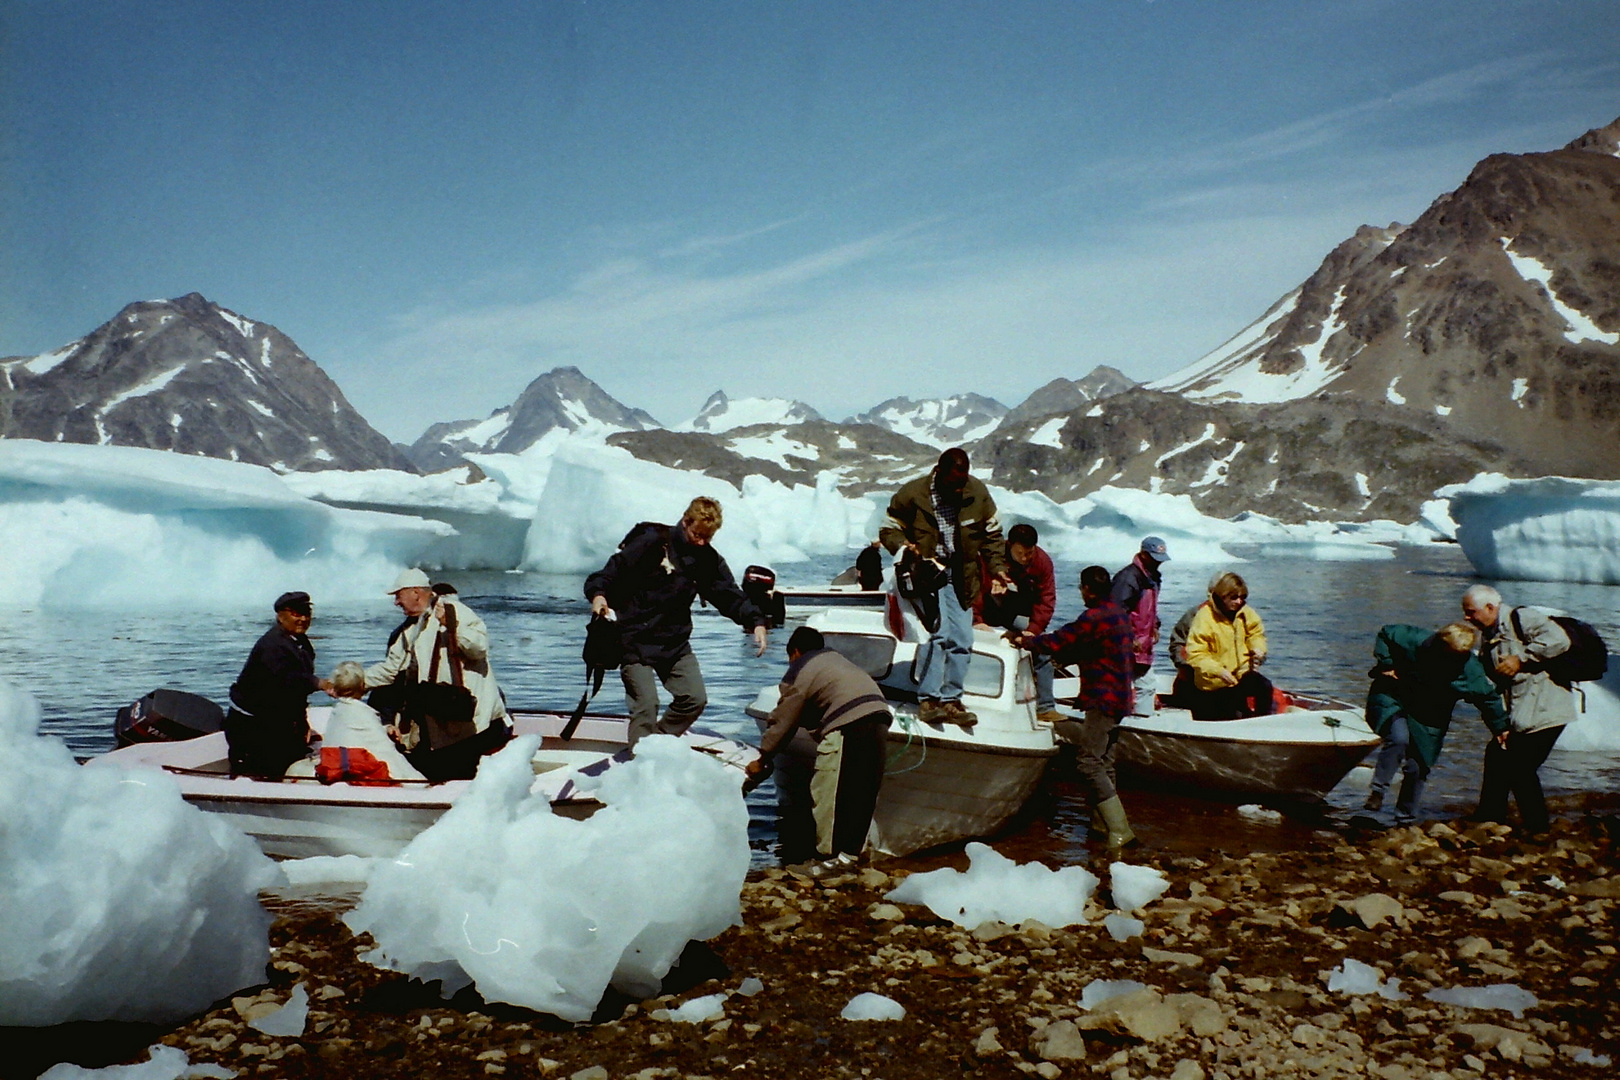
(94, 526)
(1548, 529)
(121, 901)
(993, 887)
(544, 911)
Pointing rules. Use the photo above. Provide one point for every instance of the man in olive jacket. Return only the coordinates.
(1418, 676)
(948, 516)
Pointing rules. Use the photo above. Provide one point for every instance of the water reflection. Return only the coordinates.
(1321, 618)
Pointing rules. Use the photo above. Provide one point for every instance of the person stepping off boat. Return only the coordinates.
(948, 516)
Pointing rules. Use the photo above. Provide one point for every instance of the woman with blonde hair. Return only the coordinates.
(1226, 644)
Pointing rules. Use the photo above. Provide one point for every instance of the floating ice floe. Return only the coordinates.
(1136, 887)
(1597, 713)
(1507, 996)
(121, 900)
(544, 911)
(94, 526)
(994, 888)
(871, 1006)
(162, 1063)
(1355, 977)
(1549, 529)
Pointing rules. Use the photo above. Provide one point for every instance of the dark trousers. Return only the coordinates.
(1250, 697)
(264, 746)
(459, 761)
(1511, 770)
(849, 774)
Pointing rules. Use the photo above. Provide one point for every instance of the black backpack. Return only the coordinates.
(1586, 659)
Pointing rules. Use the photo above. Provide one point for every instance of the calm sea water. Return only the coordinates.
(1320, 620)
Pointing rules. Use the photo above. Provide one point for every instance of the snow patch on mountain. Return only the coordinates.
(941, 422)
(1581, 327)
(721, 413)
(1222, 374)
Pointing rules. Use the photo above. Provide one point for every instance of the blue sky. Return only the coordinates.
(828, 201)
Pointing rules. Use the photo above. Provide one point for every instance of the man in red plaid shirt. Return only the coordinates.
(1102, 644)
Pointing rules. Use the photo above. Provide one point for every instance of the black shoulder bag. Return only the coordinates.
(443, 710)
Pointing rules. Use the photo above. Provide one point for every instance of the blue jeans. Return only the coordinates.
(1396, 754)
(1045, 695)
(945, 657)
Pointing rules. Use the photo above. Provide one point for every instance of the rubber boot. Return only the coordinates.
(1120, 835)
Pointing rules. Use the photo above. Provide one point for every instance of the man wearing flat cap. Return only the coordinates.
(267, 729)
(444, 641)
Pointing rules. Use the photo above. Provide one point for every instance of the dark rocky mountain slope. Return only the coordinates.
(189, 376)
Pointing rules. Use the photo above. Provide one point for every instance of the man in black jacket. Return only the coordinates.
(648, 586)
(267, 729)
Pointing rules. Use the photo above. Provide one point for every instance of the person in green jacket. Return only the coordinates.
(1418, 676)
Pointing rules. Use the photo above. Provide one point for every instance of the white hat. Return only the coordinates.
(410, 579)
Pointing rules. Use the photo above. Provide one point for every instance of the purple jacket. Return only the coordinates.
(1100, 643)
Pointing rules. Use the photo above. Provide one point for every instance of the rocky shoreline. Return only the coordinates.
(1232, 962)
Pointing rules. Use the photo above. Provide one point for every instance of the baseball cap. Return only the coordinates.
(1154, 546)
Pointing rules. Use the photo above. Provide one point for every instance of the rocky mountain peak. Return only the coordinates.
(1604, 140)
(562, 399)
(190, 376)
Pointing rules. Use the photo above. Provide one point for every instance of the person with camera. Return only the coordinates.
(451, 712)
(948, 519)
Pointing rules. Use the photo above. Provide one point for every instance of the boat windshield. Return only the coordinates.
(872, 653)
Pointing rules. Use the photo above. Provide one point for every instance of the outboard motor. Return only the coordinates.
(759, 585)
(167, 716)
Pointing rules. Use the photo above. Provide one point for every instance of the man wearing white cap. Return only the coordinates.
(1136, 591)
(445, 643)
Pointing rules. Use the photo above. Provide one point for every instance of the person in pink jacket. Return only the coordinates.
(1136, 590)
(1032, 597)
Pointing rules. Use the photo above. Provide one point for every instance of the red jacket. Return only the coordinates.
(1036, 579)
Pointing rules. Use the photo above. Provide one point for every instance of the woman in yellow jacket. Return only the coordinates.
(1225, 644)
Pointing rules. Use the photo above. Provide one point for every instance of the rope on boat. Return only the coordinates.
(909, 725)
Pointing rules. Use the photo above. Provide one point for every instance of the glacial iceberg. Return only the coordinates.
(1548, 529)
(121, 900)
(97, 526)
(544, 911)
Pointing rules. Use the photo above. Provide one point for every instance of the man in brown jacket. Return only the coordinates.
(845, 712)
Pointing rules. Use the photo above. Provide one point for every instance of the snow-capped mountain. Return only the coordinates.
(189, 376)
(721, 413)
(941, 422)
(561, 399)
(1067, 395)
(858, 457)
(1485, 336)
(1498, 309)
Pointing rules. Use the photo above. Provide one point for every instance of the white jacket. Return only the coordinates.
(356, 725)
(413, 650)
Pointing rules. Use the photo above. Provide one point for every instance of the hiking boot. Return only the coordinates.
(957, 713)
(831, 866)
(932, 711)
(1374, 803)
(1049, 716)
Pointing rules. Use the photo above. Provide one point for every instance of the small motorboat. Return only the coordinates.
(304, 817)
(943, 783)
(1300, 752)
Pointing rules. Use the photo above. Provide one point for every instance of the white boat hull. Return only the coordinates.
(296, 819)
(1301, 753)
